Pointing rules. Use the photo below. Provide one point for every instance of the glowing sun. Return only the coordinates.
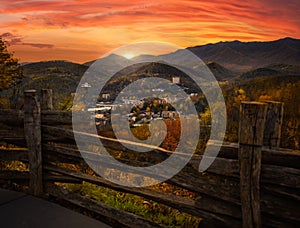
(128, 55)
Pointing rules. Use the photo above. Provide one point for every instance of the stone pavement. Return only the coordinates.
(20, 210)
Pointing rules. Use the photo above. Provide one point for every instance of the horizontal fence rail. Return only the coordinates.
(252, 183)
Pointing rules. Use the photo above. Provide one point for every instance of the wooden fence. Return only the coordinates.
(250, 184)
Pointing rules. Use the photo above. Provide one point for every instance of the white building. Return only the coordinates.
(86, 85)
(176, 80)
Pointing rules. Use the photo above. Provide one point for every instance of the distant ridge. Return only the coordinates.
(221, 73)
(243, 56)
(225, 59)
(236, 55)
(55, 67)
(253, 64)
(272, 70)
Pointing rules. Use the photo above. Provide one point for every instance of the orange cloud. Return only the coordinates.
(82, 30)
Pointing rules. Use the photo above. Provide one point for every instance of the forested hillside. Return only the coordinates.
(283, 88)
(275, 81)
(61, 76)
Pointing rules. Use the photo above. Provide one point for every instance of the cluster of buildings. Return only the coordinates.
(102, 112)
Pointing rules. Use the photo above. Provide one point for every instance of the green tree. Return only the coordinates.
(10, 69)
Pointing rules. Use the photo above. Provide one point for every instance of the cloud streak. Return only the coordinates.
(37, 45)
(17, 40)
(109, 24)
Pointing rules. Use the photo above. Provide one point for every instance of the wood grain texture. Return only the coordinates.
(251, 129)
(262, 181)
(180, 203)
(46, 100)
(32, 131)
(272, 132)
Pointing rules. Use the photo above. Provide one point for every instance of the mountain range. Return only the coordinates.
(235, 55)
(246, 71)
(244, 56)
(225, 59)
(229, 61)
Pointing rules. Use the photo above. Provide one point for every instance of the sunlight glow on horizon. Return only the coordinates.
(129, 55)
(81, 30)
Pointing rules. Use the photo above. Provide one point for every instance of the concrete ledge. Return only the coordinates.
(20, 210)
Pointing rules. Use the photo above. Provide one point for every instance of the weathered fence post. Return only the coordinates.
(32, 130)
(251, 129)
(272, 132)
(46, 102)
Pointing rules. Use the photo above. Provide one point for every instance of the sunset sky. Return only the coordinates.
(81, 30)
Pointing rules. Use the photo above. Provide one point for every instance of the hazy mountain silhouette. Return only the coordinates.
(57, 67)
(221, 73)
(235, 55)
(224, 59)
(272, 70)
(109, 64)
(243, 56)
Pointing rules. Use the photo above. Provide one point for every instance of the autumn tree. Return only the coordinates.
(10, 69)
(10, 77)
